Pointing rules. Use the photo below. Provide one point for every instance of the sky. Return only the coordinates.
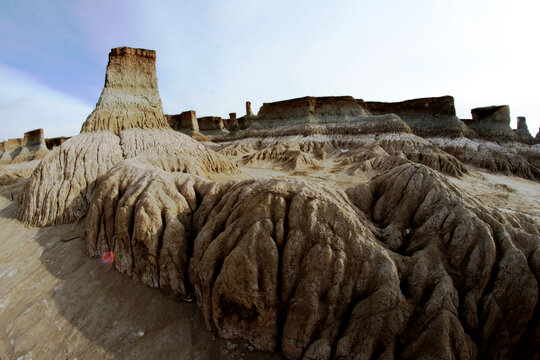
(213, 56)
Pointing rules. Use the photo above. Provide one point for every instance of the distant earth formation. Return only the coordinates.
(320, 228)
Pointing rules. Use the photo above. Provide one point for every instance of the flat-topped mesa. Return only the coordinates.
(312, 110)
(34, 138)
(210, 123)
(492, 123)
(186, 121)
(433, 116)
(130, 97)
(33, 147)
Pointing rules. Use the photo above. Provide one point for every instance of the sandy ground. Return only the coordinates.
(56, 303)
(504, 192)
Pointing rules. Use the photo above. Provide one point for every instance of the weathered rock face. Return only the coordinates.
(249, 113)
(312, 110)
(406, 266)
(128, 121)
(233, 122)
(428, 117)
(54, 142)
(187, 120)
(130, 98)
(34, 147)
(13, 145)
(492, 123)
(174, 121)
(5, 158)
(211, 123)
(31, 147)
(522, 132)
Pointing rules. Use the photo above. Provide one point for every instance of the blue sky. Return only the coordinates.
(212, 56)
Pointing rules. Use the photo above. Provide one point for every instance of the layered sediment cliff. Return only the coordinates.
(130, 97)
(314, 110)
(492, 123)
(434, 116)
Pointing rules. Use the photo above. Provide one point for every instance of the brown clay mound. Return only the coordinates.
(403, 267)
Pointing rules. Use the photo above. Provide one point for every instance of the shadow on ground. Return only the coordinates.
(110, 314)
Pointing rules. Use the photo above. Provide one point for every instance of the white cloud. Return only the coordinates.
(27, 105)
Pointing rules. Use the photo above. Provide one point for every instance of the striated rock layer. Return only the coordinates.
(492, 123)
(434, 116)
(128, 121)
(34, 147)
(396, 262)
(12, 148)
(130, 97)
(31, 147)
(522, 132)
(310, 109)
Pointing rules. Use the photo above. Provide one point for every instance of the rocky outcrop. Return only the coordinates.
(249, 113)
(380, 124)
(5, 158)
(128, 121)
(34, 147)
(12, 148)
(522, 132)
(210, 123)
(187, 120)
(492, 123)
(313, 110)
(130, 97)
(405, 266)
(233, 122)
(507, 157)
(435, 116)
(51, 143)
(31, 147)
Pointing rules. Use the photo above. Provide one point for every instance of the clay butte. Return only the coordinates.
(130, 97)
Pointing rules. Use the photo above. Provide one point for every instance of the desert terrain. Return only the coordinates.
(319, 228)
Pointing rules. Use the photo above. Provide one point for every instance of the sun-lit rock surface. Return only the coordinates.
(325, 228)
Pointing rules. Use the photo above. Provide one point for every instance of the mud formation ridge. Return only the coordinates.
(320, 228)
